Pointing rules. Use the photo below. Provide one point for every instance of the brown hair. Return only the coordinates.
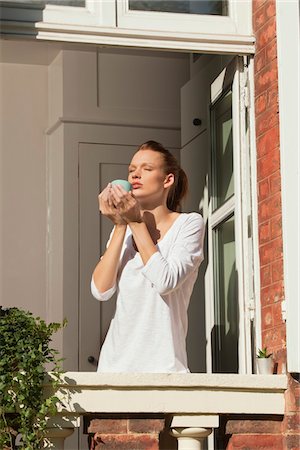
(179, 188)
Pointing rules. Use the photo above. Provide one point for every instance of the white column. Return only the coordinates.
(57, 437)
(191, 431)
(190, 438)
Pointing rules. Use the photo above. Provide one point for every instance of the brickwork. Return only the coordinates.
(124, 433)
(291, 423)
(277, 433)
(269, 181)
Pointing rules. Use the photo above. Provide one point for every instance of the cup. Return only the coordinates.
(124, 183)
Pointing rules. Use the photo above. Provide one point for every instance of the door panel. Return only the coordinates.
(194, 160)
(98, 164)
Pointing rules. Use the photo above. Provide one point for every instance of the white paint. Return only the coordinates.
(237, 22)
(199, 394)
(289, 108)
(23, 186)
(191, 438)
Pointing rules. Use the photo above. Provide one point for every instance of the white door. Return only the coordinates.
(98, 164)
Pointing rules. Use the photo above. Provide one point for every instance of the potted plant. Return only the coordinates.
(25, 351)
(265, 364)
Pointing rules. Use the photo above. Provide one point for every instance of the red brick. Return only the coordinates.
(261, 103)
(268, 164)
(269, 207)
(276, 227)
(263, 189)
(145, 425)
(266, 33)
(293, 421)
(248, 426)
(264, 232)
(256, 4)
(266, 317)
(270, 251)
(128, 442)
(260, 60)
(292, 442)
(271, 51)
(268, 142)
(257, 442)
(276, 314)
(275, 182)
(272, 294)
(272, 96)
(273, 338)
(277, 270)
(263, 14)
(267, 120)
(108, 426)
(265, 276)
(266, 77)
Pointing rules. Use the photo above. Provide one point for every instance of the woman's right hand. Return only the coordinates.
(107, 208)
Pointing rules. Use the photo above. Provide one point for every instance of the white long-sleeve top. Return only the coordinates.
(148, 330)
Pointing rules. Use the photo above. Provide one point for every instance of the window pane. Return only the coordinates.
(66, 2)
(225, 334)
(215, 7)
(222, 150)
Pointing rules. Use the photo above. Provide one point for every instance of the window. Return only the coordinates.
(212, 7)
(229, 244)
(194, 25)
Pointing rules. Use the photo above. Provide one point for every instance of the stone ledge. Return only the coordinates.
(201, 394)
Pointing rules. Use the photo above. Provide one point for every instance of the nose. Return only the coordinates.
(136, 174)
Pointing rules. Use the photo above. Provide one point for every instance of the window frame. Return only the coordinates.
(237, 21)
(102, 23)
(233, 77)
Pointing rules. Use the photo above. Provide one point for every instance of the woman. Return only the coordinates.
(152, 260)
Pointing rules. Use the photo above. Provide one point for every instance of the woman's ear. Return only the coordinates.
(169, 180)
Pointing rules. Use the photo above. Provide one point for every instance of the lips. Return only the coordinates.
(136, 185)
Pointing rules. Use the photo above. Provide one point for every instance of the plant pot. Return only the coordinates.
(265, 366)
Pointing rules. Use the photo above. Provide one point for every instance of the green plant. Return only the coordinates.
(24, 352)
(263, 353)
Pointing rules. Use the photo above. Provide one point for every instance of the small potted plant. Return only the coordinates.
(265, 364)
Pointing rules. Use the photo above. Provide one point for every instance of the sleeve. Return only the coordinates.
(186, 255)
(103, 296)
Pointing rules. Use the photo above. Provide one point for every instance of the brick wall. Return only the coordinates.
(268, 433)
(128, 432)
(269, 181)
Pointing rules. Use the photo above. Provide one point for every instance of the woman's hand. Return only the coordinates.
(126, 204)
(107, 207)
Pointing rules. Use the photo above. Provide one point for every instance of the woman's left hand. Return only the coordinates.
(126, 204)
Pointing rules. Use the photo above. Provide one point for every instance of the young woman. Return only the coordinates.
(152, 261)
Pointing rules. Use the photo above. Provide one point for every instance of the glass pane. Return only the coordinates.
(225, 334)
(222, 150)
(215, 7)
(66, 2)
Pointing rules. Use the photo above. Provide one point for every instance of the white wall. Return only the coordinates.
(24, 118)
(41, 84)
(288, 38)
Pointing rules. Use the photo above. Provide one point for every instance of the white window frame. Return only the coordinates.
(240, 205)
(237, 21)
(108, 22)
(95, 13)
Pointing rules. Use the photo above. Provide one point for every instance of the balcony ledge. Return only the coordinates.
(182, 394)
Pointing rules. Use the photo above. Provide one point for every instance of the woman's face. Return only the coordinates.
(147, 175)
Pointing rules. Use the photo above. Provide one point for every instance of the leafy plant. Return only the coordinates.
(24, 352)
(263, 353)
